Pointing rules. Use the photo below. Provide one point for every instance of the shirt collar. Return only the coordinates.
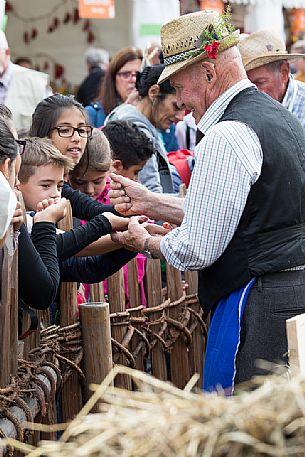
(5, 79)
(290, 91)
(218, 107)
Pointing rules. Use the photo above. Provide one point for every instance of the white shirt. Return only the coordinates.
(228, 162)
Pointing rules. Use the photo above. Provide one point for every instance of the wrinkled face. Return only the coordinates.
(273, 83)
(45, 183)
(187, 83)
(125, 79)
(92, 183)
(73, 146)
(166, 111)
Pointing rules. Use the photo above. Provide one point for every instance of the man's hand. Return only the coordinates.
(117, 223)
(128, 197)
(52, 210)
(134, 237)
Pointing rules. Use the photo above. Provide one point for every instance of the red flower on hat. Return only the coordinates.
(212, 49)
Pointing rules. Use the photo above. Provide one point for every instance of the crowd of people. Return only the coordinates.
(142, 123)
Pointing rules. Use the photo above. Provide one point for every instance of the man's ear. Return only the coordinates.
(153, 92)
(117, 166)
(208, 69)
(285, 72)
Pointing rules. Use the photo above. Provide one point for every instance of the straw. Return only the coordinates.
(159, 420)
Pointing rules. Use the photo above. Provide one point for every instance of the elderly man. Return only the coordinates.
(242, 222)
(266, 62)
(20, 88)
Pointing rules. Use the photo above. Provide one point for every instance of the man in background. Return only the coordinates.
(266, 62)
(21, 89)
(97, 61)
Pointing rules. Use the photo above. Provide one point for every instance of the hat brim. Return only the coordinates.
(264, 60)
(174, 68)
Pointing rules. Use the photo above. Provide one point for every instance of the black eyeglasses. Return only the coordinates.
(85, 131)
(21, 146)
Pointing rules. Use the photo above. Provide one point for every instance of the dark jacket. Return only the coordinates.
(271, 233)
(90, 87)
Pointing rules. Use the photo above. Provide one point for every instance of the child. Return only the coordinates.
(90, 176)
(41, 179)
(62, 119)
(130, 149)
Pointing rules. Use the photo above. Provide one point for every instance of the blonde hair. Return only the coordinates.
(97, 155)
(40, 152)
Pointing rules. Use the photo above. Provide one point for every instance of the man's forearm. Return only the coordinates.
(165, 207)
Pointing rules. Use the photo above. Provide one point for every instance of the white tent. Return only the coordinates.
(135, 23)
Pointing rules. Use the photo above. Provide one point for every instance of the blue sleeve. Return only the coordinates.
(94, 269)
(169, 138)
(96, 114)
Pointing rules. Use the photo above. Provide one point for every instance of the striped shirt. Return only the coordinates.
(294, 99)
(228, 162)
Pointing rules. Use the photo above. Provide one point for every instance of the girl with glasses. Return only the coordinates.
(118, 85)
(62, 119)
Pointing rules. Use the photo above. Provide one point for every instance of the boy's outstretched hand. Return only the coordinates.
(51, 210)
(117, 223)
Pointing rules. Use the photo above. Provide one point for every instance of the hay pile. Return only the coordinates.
(160, 420)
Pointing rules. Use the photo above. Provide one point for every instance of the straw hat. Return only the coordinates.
(184, 39)
(263, 47)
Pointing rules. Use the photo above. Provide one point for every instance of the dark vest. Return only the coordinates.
(271, 233)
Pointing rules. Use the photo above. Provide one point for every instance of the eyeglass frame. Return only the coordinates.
(132, 74)
(75, 129)
(21, 146)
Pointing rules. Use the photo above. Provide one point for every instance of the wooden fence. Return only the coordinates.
(166, 338)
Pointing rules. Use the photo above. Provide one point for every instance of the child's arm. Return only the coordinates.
(71, 242)
(84, 207)
(94, 268)
(38, 265)
(100, 246)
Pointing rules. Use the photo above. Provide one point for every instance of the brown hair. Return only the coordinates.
(109, 96)
(97, 155)
(40, 152)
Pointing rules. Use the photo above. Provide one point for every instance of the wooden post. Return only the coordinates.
(153, 294)
(138, 347)
(133, 285)
(6, 357)
(197, 347)
(97, 293)
(116, 296)
(14, 315)
(96, 333)
(179, 363)
(295, 328)
(71, 391)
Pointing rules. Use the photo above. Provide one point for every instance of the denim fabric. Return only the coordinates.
(273, 299)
